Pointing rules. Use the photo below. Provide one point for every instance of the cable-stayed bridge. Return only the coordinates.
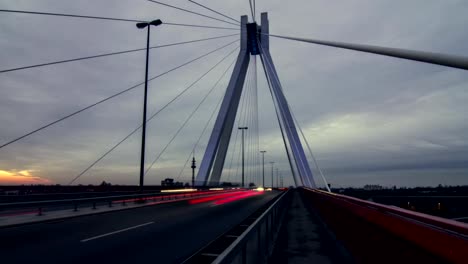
(214, 219)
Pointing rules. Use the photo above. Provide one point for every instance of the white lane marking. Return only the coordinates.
(116, 232)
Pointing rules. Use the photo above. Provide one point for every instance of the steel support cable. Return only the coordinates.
(201, 136)
(252, 10)
(287, 124)
(257, 137)
(233, 153)
(252, 132)
(110, 97)
(279, 121)
(106, 18)
(255, 119)
(214, 11)
(247, 124)
(255, 147)
(234, 150)
(312, 154)
(241, 122)
(238, 162)
(254, 125)
(148, 120)
(70, 15)
(258, 125)
(309, 180)
(250, 125)
(245, 120)
(191, 12)
(194, 110)
(291, 159)
(198, 26)
(113, 53)
(255, 9)
(237, 121)
(459, 62)
(310, 150)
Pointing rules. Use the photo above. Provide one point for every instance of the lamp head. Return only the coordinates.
(156, 22)
(142, 25)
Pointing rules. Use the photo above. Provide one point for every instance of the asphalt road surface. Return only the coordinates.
(167, 233)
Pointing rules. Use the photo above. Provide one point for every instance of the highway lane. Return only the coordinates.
(165, 233)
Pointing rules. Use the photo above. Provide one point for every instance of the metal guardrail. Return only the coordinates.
(256, 244)
(109, 200)
(250, 242)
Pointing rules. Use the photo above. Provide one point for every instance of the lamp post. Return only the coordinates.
(143, 134)
(272, 162)
(242, 129)
(263, 166)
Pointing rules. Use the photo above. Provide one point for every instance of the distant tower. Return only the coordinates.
(194, 166)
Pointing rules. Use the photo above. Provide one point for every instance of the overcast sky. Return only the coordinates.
(369, 119)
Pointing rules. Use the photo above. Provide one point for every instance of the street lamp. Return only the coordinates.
(242, 129)
(263, 165)
(141, 25)
(272, 162)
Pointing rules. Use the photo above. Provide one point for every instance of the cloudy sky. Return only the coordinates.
(369, 119)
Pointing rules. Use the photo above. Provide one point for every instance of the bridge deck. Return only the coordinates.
(166, 233)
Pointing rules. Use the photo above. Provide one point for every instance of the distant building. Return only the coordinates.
(372, 187)
(170, 182)
(12, 192)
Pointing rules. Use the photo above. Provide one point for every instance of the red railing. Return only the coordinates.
(376, 233)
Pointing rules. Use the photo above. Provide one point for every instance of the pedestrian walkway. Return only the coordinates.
(304, 239)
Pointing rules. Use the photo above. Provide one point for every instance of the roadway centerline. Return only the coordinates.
(116, 232)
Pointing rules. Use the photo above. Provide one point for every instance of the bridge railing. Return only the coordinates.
(249, 242)
(93, 202)
(255, 244)
(374, 232)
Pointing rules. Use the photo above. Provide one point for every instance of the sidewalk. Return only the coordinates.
(304, 239)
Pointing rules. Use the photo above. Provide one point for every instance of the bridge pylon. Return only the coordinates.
(253, 41)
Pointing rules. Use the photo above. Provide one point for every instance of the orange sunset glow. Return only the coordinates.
(14, 177)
